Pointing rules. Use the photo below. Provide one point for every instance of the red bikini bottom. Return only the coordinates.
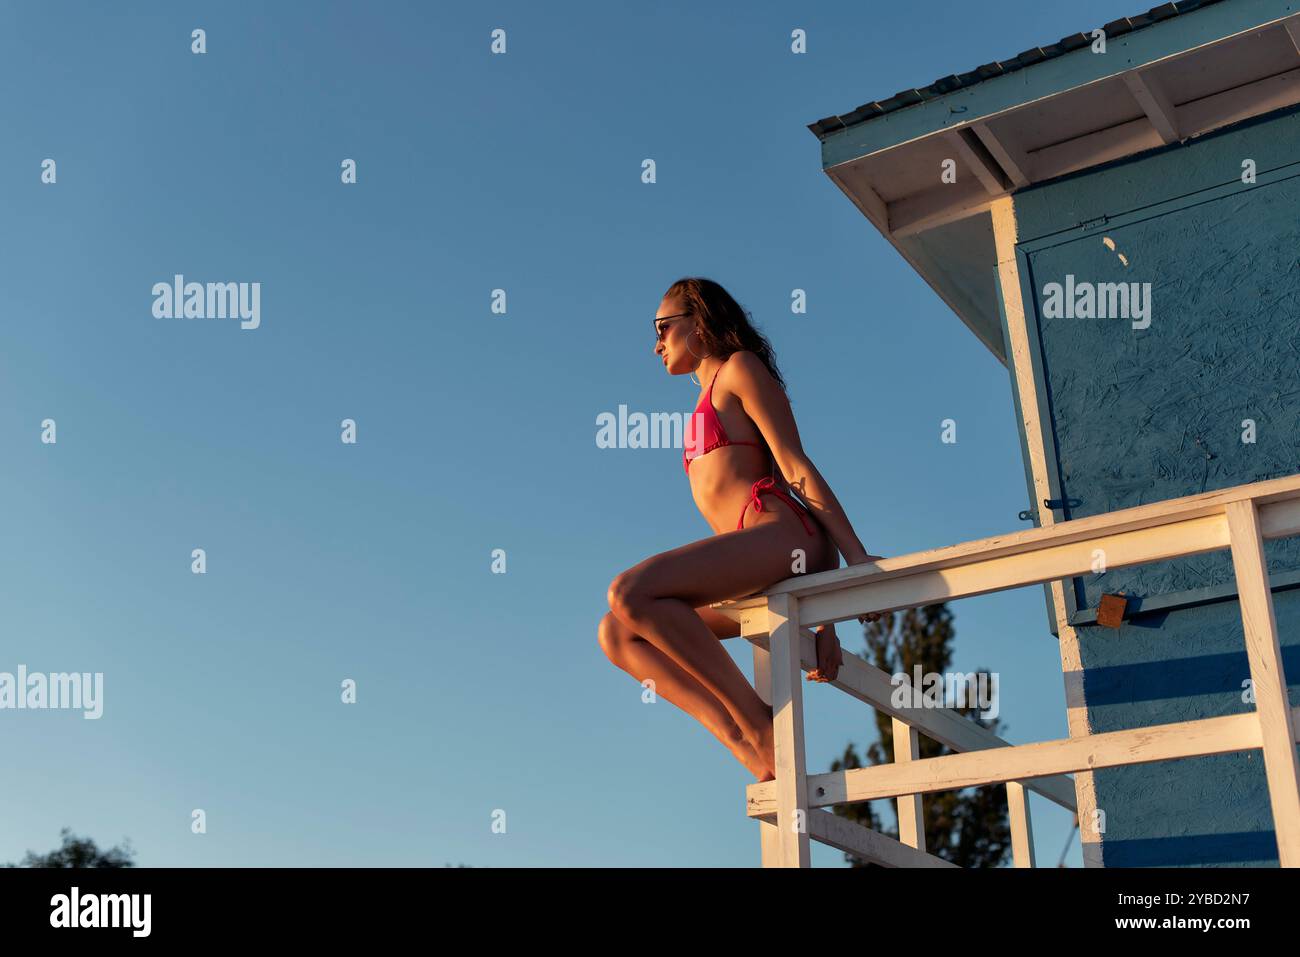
(768, 485)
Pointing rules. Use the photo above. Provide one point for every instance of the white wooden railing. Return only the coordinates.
(778, 622)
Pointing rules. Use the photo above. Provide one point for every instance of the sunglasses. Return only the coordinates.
(659, 330)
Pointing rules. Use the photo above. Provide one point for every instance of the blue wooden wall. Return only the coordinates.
(1141, 415)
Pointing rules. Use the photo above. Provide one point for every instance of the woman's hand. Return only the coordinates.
(829, 657)
(862, 559)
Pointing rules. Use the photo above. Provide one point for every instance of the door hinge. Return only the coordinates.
(1055, 503)
(1031, 514)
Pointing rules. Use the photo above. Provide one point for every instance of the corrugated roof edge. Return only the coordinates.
(947, 84)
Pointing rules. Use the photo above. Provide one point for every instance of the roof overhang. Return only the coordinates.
(1175, 79)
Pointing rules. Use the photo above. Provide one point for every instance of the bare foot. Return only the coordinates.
(829, 655)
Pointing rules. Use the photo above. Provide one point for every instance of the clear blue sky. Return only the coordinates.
(476, 431)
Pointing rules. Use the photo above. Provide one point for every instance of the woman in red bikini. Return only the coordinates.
(743, 460)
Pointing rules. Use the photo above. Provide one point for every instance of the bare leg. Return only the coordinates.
(675, 684)
(679, 634)
(657, 601)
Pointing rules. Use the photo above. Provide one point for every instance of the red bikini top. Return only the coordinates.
(704, 429)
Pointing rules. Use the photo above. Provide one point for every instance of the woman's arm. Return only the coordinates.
(766, 403)
(813, 489)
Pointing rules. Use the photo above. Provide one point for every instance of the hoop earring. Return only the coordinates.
(692, 352)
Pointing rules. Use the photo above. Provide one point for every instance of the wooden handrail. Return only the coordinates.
(777, 623)
(1279, 501)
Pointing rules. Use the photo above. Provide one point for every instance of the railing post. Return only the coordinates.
(1022, 832)
(769, 849)
(787, 721)
(1259, 626)
(911, 813)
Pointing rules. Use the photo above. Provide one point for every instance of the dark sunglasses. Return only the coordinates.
(659, 330)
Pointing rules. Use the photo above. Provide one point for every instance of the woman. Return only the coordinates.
(660, 625)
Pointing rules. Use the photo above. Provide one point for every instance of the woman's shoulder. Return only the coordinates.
(744, 359)
(748, 364)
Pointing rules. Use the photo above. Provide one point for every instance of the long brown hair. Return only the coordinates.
(724, 326)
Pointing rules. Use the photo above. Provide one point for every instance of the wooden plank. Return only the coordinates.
(1038, 440)
(1022, 833)
(768, 846)
(1092, 149)
(1010, 157)
(1079, 724)
(1039, 446)
(1240, 103)
(869, 845)
(762, 670)
(1275, 727)
(1185, 739)
(911, 812)
(1163, 123)
(1292, 27)
(1279, 501)
(872, 686)
(1012, 571)
(1155, 104)
(790, 789)
(935, 207)
(977, 160)
(853, 184)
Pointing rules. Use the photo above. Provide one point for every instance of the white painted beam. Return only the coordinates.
(950, 772)
(1278, 501)
(1010, 157)
(1240, 103)
(1022, 832)
(1275, 724)
(911, 812)
(869, 845)
(854, 184)
(1292, 27)
(1159, 109)
(791, 784)
(943, 204)
(984, 168)
(769, 847)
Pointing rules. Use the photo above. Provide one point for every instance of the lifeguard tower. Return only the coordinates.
(1116, 217)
